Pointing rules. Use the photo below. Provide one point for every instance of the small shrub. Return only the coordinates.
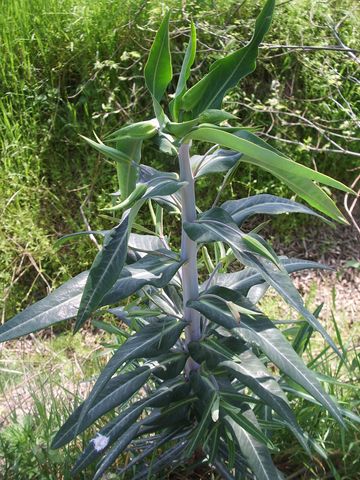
(198, 373)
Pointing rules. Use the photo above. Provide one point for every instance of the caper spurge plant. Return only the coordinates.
(196, 372)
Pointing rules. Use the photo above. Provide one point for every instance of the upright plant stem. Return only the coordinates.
(189, 247)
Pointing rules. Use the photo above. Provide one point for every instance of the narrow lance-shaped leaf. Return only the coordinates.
(104, 271)
(227, 72)
(234, 414)
(128, 172)
(153, 340)
(245, 279)
(108, 435)
(165, 394)
(154, 445)
(282, 283)
(184, 73)
(127, 156)
(116, 450)
(252, 373)
(292, 173)
(155, 269)
(242, 209)
(140, 130)
(117, 391)
(220, 161)
(200, 431)
(255, 453)
(158, 69)
(61, 304)
(216, 224)
(266, 336)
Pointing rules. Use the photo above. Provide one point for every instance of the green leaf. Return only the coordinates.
(184, 73)
(170, 365)
(213, 115)
(241, 210)
(282, 283)
(154, 445)
(172, 456)
(181, 129)
(108, 435)
(263, 333)
(117, 391)
(162, 187)
(165, 144)
(127, 155)
(233, 415)
(156, 269)
(200, 431)
(216, 224)
(65, 238)
(220, 161)
(255, 452)
(116, 450)
(140, 130)
(296, 176)
(226, 72)
(158, 69)
(152, 340)
(138, 192)
(104, 271)
(151, 176)
(144, 243)
(212, 442)
(62, 304)
(166, 393)
(252, 373)
(127, 173)
(245, 279)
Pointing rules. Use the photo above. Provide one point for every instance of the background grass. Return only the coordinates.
(72, 67)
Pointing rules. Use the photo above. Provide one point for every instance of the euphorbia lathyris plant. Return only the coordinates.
(192, 374)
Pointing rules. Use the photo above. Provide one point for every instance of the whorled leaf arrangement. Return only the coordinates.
(193, 376)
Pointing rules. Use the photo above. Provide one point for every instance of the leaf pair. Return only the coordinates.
(298, 177)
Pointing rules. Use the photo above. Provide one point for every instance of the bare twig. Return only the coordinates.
(313, 149)
(88, 227)
(350, 209)
(309, 48)
(349, 51)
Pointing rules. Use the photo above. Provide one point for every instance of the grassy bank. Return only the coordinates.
(72, 67)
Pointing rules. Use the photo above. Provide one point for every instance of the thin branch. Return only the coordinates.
(314, 149)
(88, 227)
(349, 209)
(309, 48)
(349, 51)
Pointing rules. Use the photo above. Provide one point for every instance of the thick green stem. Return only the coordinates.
(188, 247)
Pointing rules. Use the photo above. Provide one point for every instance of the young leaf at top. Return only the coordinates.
(226, 72)
(184, 73)
(158, 68)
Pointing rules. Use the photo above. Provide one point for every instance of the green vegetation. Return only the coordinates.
(73, 67)
(45, 367)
